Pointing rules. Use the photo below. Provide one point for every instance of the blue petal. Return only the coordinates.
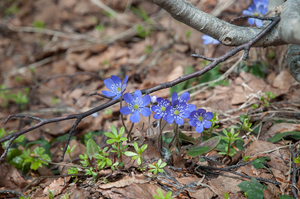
(146, 100)
(137, 94)
(168, 109)
(116, 80)
(125, 80)
(199, 128)
(246, 12)
(258, 22)
(135, 117)
(191, 107)
(174, 97)
(128, 98)
(109, 84)
(145, 111)
(193, 114)
(265, 2)
(117, 96)
(125, 110)
(209, 116)
(155, 108)
(186, 114)
(251, 21)
(256, 1)
(252, 8)
(108, 93)
(184, 97)
(207, 124)
(179, 120)
(157, 116)
(206, 42)
(160, 100)
(216, 41)
(193, 122)
(123, 88)
(170, 119)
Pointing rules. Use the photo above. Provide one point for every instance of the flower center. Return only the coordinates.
(200, 118)
(163, 108)
(119, 89)
(136, 106)
(176, 112)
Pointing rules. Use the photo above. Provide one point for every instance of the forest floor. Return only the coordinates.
(54, 54)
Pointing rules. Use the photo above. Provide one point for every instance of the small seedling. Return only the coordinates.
(297, 160)
(39, 24)
(188, 34)
(137, 155)
(69, 151)
(33, 158)
(258, 162)
(117, 139)
(229, 137)
(253, 189)
(161, 195)
(51, 194)
(157, 167)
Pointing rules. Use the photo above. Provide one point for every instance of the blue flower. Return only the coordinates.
(200, 119)
(207, 40)
(161, 108)
(115, 86)
(259, 7)
(179, 109)
(184, 98)
(137, 105)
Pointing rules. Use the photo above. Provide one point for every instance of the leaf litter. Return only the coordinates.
(40, 54)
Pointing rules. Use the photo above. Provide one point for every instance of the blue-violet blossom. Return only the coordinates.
(136, 105)
(184, 98)
(200, 119)
(115, 86)
(207, 40)
(178, 110)
(161, 108)
(259, 7)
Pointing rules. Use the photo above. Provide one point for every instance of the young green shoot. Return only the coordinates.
(157, 167)
(69, 151)
(161, 195)
(137, 155)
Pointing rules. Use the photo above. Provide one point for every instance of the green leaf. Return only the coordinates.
(114, 130)
(144, 147)
(110, 135)
(253, 189)
(258, 162)
(92, 148)
(136, 146)
(278, 136)
(196, 151)
(130, 153)
(121, 132)
(110, 141)
(211, 143)
(186, 138)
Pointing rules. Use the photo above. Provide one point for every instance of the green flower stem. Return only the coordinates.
(175, 138)
(228, 151)
(159, 140)
(199, 139)
(128, 134)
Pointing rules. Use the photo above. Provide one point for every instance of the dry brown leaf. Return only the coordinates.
(279, 128)
(279, 159)
(283, 80)
(223, 184)
(126, 181)
(57, 185)
(11, 178)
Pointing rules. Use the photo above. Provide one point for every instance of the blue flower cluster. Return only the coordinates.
(163, 109)
(259, 7)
